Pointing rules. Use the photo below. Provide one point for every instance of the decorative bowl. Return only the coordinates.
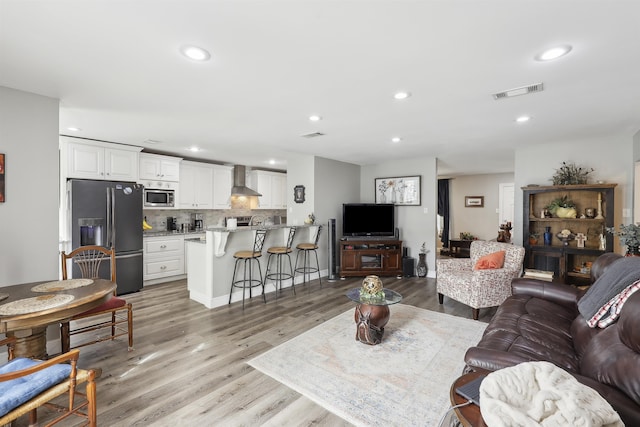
(565, 238)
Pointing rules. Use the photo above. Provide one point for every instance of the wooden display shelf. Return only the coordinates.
(563, 260)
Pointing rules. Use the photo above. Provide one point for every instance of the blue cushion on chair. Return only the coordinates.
(20, 390)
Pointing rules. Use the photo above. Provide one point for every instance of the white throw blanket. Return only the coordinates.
(541, 394)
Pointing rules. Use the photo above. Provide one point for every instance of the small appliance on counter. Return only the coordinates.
(241, 221)
(197, 221)
(172, 223)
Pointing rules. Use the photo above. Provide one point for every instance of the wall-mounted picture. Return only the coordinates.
(298, 194)
(400, 190)
(474, 201)
(2, 178)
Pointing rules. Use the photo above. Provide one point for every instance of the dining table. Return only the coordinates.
(27, 309)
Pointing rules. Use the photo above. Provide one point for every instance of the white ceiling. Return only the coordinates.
(116, 68)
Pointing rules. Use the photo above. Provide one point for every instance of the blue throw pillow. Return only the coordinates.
(16, 392)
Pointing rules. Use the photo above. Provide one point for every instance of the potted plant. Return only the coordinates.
(629, 236)
(570, 174)
(563, 207)
(533, 238)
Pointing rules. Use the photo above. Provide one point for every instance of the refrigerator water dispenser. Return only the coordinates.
(91, 231)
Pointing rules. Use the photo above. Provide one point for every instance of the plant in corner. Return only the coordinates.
(629, 236)
(570, 174)
(563, 207)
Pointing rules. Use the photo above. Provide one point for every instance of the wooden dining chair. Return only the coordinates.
(88, 259)
(27, 384)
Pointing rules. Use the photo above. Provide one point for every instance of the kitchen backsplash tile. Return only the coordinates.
(157, 218)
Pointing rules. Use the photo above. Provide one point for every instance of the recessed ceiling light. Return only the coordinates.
(272, 162)
(396, 139)
(195, 53)
(553, 53)
(523, 119)
(193, 149)
(74, 129)
(401, 95)
(315, 118)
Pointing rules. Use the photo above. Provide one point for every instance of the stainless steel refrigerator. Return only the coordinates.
(109, 214)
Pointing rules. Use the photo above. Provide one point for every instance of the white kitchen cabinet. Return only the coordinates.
(159, 168)
(222, 183)
(112, 162)
(196, 185)
(163, 257)
(191, 236)
(272, 186)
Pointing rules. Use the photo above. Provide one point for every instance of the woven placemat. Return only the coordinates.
(32, 305)
(61, 285)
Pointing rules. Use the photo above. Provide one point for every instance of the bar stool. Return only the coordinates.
(248, 257)
(304, 249)
(280, 252)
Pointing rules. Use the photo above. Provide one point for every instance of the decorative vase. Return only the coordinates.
(422, 268)
(566, 212)
(547, 236)
(633, 251)
(371, 320)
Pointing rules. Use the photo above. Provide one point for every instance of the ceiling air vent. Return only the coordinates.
(313, 135)
(524, 90)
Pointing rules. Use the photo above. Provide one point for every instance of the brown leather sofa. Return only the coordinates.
(541, 321)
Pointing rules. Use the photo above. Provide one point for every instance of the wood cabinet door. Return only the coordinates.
(392, 260)
(85, 161)
(170, 170)
(350, 260)
(222, 183)
(149, 167)
(121, 165)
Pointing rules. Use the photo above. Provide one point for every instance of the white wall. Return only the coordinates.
(328, 184)
(416, 225)
(300, 171)
(29, 216)
(611, 157)
(481, 222)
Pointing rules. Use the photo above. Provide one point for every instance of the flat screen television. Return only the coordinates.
(368, 219)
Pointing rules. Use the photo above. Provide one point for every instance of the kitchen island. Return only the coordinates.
(210, 263)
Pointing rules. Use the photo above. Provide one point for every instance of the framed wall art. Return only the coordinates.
(2, 167)
(298, 194)
(474, 201)
(400, 190)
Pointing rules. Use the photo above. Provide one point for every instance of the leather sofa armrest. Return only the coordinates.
(491, 360)
(554, 292)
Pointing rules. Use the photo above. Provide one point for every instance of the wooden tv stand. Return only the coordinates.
(370, 256)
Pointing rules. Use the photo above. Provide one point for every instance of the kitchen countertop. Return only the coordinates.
(231, 230)
(169, 233)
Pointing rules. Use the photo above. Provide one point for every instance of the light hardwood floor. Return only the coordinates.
(189, 363)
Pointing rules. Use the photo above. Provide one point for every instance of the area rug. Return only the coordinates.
(404, 381)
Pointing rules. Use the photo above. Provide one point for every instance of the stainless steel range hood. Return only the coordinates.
(239, 188)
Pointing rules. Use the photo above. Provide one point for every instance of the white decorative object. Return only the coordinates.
(580, 238)
(603, 243)
(599, 216)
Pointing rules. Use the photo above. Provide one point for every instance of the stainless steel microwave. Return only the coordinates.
(159, 198)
